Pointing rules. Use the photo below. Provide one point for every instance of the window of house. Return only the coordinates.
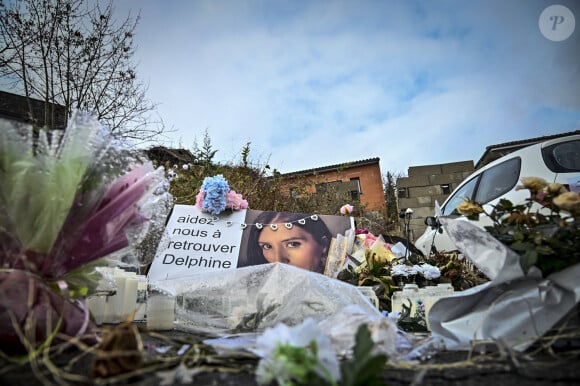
(355, 193)
(402, 193)
(445, 189)
(294, 192)
(324, 187)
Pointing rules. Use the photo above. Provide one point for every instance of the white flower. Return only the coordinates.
(393, 315)
(162, 187)
(185, 166)
(171, 175)
(430, 271)
(272, 368)
(415, 269)
(400, 270)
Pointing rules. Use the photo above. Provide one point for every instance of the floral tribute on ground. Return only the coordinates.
(530, 254)
(390, 268)
(544, 231)
(67, 200)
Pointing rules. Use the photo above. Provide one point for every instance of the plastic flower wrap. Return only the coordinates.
(66, 201)
(215, 196)
(530, 253)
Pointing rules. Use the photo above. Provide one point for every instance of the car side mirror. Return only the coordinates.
(432, 222)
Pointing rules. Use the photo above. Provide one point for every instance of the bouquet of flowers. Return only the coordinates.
(384, 267)
(67, 199)
(215, 196)
(544, 230)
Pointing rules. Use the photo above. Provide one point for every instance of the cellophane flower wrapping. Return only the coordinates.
(68, 199)
(237, 305)
(514, 308)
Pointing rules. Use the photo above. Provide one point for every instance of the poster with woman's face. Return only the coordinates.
(302, 240)
(195, 242)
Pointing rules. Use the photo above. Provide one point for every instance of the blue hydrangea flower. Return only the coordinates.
(215, 189)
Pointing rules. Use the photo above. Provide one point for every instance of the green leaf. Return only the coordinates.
(84, 280)
(522, 246)
(528, 259)
(364, 368)
(544, 250)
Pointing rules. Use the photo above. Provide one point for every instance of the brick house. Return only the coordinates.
(361, 179)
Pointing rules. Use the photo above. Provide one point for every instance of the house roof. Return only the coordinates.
(17, 108)
(329, 168)
(493, 152)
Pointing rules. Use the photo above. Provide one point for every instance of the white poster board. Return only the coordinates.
(196, 242)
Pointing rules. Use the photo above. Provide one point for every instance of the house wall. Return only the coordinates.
(425, 185)
(19, 108)
(369, 174)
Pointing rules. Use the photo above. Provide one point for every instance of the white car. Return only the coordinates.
(556, 160)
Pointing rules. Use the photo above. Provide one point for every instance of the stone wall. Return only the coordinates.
(427, 184)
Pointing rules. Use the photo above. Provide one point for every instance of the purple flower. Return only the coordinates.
(101, 232)
(26, 301)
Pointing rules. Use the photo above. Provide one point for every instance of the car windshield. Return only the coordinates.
(464, 193)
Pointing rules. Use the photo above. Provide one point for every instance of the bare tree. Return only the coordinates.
(68, 53)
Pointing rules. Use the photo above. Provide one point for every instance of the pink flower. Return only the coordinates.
(370, 240)
(346, 209)
(199, 198)
(235, 201)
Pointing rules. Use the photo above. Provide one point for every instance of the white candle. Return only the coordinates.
(130, 298)
(96, 305)
(160, 312)
(114, 304)
(141, 302)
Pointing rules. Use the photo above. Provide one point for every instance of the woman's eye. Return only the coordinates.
(266, 246)
(293, 244)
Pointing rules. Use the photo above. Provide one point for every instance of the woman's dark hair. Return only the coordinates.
(317, 228)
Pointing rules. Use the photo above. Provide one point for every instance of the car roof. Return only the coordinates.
(524, 153)
(533, 148)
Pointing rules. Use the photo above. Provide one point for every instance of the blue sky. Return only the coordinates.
(316, 83)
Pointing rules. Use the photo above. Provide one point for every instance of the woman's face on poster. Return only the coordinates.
(293, 246)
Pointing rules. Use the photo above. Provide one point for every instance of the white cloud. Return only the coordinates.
(317, 83)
